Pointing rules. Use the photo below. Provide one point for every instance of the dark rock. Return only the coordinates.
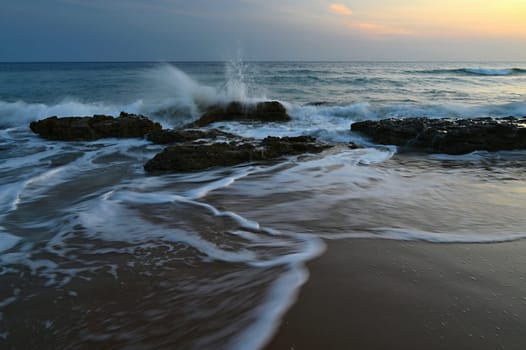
(93, 128)
(278, 146)
(165, 136)
(195, 157)
(451, 136)
(271, 111)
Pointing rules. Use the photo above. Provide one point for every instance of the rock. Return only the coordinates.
(271, 111)
(165, 136)
(451, 136)
(275, 147)
(93, 128)
(195, 157)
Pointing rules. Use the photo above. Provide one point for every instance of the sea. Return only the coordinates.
(97, 253)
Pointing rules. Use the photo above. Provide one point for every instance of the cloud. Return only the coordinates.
(340, 9)
(378, 29)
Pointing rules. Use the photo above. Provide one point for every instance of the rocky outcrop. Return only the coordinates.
(190, 149)
(451, 136)
(93, 128)
(194, 157)
(271, 111)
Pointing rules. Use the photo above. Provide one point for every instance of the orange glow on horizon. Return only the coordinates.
(378, 29)
(447, 18)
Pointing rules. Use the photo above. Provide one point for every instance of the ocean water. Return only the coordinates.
(95, 253)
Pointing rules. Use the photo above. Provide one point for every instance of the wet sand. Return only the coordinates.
(380, 294)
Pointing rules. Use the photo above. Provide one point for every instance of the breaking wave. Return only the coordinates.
(479, 71)
(495, 72)
(175, 94)
(307, 119)
(169, 95)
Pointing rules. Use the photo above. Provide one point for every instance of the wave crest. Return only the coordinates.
(169, 95)
(494, 72)
(479, 71)
(20, 112)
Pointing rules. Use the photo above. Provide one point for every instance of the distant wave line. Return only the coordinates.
(478, 71)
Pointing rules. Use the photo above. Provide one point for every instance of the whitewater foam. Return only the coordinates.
(21, 113)
(96, 220)
(494, 71)
(201, 192)
(332, 123)
(478, 71)
(305, 119)
(281, 296)
(406, 234)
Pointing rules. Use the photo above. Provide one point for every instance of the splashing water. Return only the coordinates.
(241, 84)
(174, 94)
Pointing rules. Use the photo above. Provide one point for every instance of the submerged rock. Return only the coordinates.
(451, 136)
(194, 157)
(271, 111)
(93, 128)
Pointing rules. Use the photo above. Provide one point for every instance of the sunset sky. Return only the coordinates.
(262, 30)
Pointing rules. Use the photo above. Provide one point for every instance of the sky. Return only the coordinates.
(210, 30)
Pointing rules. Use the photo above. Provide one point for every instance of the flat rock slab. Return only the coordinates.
(195, 157)
(270, 111)
(450, 136)
(94, 128)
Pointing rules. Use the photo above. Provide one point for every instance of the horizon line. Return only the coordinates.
(256, 61)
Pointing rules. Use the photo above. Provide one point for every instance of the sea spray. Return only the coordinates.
(235, 87)
(175, 97)
(171, 93)
(241, 83)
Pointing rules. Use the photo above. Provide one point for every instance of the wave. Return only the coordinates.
(494, 72)
(173, 98)
(398, 234)
(170, 96)
(328, 116)
(19, 113)
(325, 120)
(478, 71)
(330, 122)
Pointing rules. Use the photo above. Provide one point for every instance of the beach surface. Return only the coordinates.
(383, 294)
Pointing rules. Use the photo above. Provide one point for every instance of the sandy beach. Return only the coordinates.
(382, 294)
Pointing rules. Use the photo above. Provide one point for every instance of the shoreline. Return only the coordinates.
(381, 294)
